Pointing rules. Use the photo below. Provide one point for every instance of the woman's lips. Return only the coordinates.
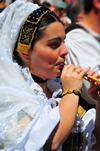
(62, 64)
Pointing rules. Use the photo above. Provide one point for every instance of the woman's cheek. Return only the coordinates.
(52, 57)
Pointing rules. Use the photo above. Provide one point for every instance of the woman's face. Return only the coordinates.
(49, 52)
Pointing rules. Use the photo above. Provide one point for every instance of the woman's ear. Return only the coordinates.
(24, 57)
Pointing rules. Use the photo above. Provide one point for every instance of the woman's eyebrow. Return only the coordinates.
(58, 38)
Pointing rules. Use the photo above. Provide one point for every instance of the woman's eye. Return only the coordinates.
(54, 45)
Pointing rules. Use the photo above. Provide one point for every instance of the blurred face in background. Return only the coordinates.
(56, 10)
(68, 2)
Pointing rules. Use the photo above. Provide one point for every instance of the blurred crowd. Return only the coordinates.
(61, 8)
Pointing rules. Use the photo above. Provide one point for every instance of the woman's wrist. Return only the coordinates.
(70, 91)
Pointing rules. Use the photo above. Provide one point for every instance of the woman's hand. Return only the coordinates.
(94, 91)
(72, 76)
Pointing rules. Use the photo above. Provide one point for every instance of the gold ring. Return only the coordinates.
(76, 71)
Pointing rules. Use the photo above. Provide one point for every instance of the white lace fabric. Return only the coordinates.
(15, 94)
(85, 125)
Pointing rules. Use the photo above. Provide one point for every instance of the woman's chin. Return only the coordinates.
(58, 74)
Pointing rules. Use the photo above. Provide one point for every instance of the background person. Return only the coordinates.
(63, 16)
(56, 10)
(83, 42)
(69, 4)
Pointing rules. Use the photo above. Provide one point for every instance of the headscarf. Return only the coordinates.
(15, 93)
(11, 82)
(29, 29)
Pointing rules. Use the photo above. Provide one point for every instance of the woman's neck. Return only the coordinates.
(46, 90)
(91, 21)
(43, 86)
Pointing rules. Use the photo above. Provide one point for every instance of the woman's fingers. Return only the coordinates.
(92, 89)
(73, 69)
(72, 77)
(84, 71)
(95, 75)
(92, 72)
(94, 92)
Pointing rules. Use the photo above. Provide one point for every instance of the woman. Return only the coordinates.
(34, 36)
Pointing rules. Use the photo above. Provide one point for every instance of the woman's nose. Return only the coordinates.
(63, 51)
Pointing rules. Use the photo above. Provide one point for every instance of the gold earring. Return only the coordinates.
(30, 70)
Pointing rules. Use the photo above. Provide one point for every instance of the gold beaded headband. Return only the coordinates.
(29, 29)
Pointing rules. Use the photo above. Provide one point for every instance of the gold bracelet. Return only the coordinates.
(69, 91)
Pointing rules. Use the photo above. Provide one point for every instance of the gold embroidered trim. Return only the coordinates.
(29, 29)
(81, 111)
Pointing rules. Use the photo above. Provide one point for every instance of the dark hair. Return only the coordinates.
(46, 4)
(74, 11)
(47, 19)
(81, 5)
(88, 5)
